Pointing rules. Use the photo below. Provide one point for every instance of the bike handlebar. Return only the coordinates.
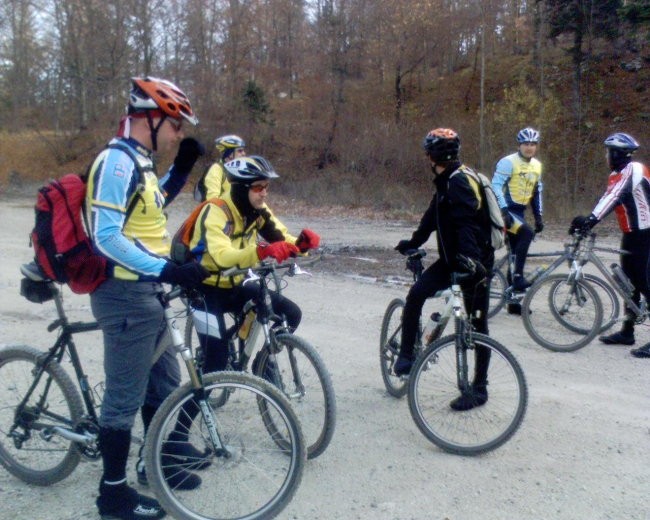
(265, 267)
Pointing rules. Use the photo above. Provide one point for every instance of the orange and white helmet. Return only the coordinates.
(159, 94)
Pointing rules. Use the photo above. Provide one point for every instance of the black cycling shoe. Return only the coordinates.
(514, 309)
(641, 352)
(402, 366)
(174, 468)
(477, 396)
(618, 338)
(124, 503)
(519, 283)
(178, 447)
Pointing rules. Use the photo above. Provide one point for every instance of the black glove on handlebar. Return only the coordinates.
(404, 245)
(582, 224)
(189, 275)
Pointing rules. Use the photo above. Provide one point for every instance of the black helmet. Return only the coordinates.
(620, 148)
(442, 145)
(247, 170)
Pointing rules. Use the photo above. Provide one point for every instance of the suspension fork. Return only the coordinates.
(196, 379)
(462, 340)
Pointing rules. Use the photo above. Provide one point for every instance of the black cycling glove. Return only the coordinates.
(582, 224)
(188, 152)
(404, 245)
(470, 266)
(189, 275)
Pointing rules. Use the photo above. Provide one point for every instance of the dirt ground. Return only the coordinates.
(581, 453)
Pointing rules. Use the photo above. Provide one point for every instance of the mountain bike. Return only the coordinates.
(501, 292)
(571, 301)
(255, 443)
(445, 368)
(285, 359)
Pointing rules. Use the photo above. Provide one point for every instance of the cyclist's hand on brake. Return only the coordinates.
(189, 275)
(278, 250)
(539, 225)
(404, 245)
(307, 240)
(582, 224)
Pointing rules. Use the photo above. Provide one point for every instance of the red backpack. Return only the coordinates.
(62, 248)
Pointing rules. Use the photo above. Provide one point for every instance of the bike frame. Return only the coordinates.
(588, 255)
(55, 354)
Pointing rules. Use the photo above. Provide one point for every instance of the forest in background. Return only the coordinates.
(338, 94)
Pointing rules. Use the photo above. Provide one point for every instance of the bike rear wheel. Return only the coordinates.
(557, 311)
(300, 373)
(30, 448)
(253, 477)
(498, 286)
(433, 384)
(389, 346)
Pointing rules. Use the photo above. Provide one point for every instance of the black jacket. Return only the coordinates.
(456, 213)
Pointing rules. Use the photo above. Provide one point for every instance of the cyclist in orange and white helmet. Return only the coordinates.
(125, 208)
(463, 233)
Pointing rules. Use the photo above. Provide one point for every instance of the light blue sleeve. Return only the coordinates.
(114, 181)
(502, 174)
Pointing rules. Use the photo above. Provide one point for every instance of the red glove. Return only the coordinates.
(278, 250)
(307, 240)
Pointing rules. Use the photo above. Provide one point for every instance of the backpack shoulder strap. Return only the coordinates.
(141, 178)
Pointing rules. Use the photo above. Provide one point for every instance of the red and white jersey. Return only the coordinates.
(628, 193)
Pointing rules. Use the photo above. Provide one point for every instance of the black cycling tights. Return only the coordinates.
(519, 245)
(636, 264)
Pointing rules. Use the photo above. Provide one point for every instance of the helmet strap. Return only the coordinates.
(154, 130)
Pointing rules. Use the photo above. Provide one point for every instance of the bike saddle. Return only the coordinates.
(33, 272)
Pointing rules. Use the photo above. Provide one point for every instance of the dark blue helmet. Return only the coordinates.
(621, 141)
(528, 135)
(620, 148)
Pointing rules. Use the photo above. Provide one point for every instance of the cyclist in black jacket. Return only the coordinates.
(463, 232)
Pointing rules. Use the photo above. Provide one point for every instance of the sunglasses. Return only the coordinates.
(259, 188)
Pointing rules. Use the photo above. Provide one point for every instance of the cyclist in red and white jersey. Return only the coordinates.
(628, 194)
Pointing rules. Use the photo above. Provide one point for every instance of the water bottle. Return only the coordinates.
(431, 328)
(245, 328)
(621, 278)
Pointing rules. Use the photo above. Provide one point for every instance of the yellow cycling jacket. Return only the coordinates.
(224, 241)
(518, 182)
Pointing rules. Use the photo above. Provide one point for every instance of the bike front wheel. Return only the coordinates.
(251, 476)
(299, 372)
(608, 299)
(31, 447)
(561, 314)
(434, 384)
(389, 346)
